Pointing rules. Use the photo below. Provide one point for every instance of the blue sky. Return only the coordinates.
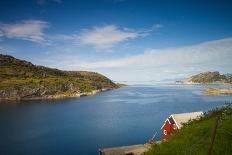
(126, 40)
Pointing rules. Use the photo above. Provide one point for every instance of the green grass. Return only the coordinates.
(70, 92)
(195, 137)
(83, 85)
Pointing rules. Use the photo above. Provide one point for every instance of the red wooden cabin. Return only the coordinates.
(175, 121)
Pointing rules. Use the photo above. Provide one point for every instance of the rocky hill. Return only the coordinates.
(21, 79)
(208, 78)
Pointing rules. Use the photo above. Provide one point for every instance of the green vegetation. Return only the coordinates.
(121, 84)
(218, 91)
(229, 78)
(195, 136)
(21, 80)
(209, 77)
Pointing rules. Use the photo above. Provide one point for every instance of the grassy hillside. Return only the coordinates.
(195, 136)
(208, 77)
(21, 80)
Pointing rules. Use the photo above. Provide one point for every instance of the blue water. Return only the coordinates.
(80, 126)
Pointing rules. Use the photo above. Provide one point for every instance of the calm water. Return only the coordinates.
(80, 126)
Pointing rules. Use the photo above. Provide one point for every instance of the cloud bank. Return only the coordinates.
(153, 64)
(31, 30)
(208, 52)
(168, 63)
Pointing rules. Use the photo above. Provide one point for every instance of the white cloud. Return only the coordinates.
(208, 52)
(105, 37)
(32, 30)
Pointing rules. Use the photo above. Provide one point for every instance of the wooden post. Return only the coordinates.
(213, 135)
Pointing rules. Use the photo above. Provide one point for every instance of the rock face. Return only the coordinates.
(20, 79)
(207, 78)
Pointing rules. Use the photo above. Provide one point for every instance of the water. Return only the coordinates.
(80, 126)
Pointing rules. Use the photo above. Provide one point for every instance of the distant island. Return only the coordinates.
(217, 91)
(211, 78)
(208, 78)
(22, 80)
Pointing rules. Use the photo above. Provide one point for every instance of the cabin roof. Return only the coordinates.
(180, 118)
(185, 117)
(171, 120)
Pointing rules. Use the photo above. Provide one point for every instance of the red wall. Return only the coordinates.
(169, 129)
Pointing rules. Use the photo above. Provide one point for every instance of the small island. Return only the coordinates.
(211, 78)
(22, 80)
(218, 91)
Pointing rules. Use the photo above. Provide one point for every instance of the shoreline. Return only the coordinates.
(59, 96)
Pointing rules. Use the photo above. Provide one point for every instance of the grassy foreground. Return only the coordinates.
(195, 136)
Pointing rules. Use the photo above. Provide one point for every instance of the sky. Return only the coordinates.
(126, 40)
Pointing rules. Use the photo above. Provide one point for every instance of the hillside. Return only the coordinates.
(195, 136)
(208, 78)
(21, 79)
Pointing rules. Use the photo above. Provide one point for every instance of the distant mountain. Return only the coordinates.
(207, 78)
(21, 79)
